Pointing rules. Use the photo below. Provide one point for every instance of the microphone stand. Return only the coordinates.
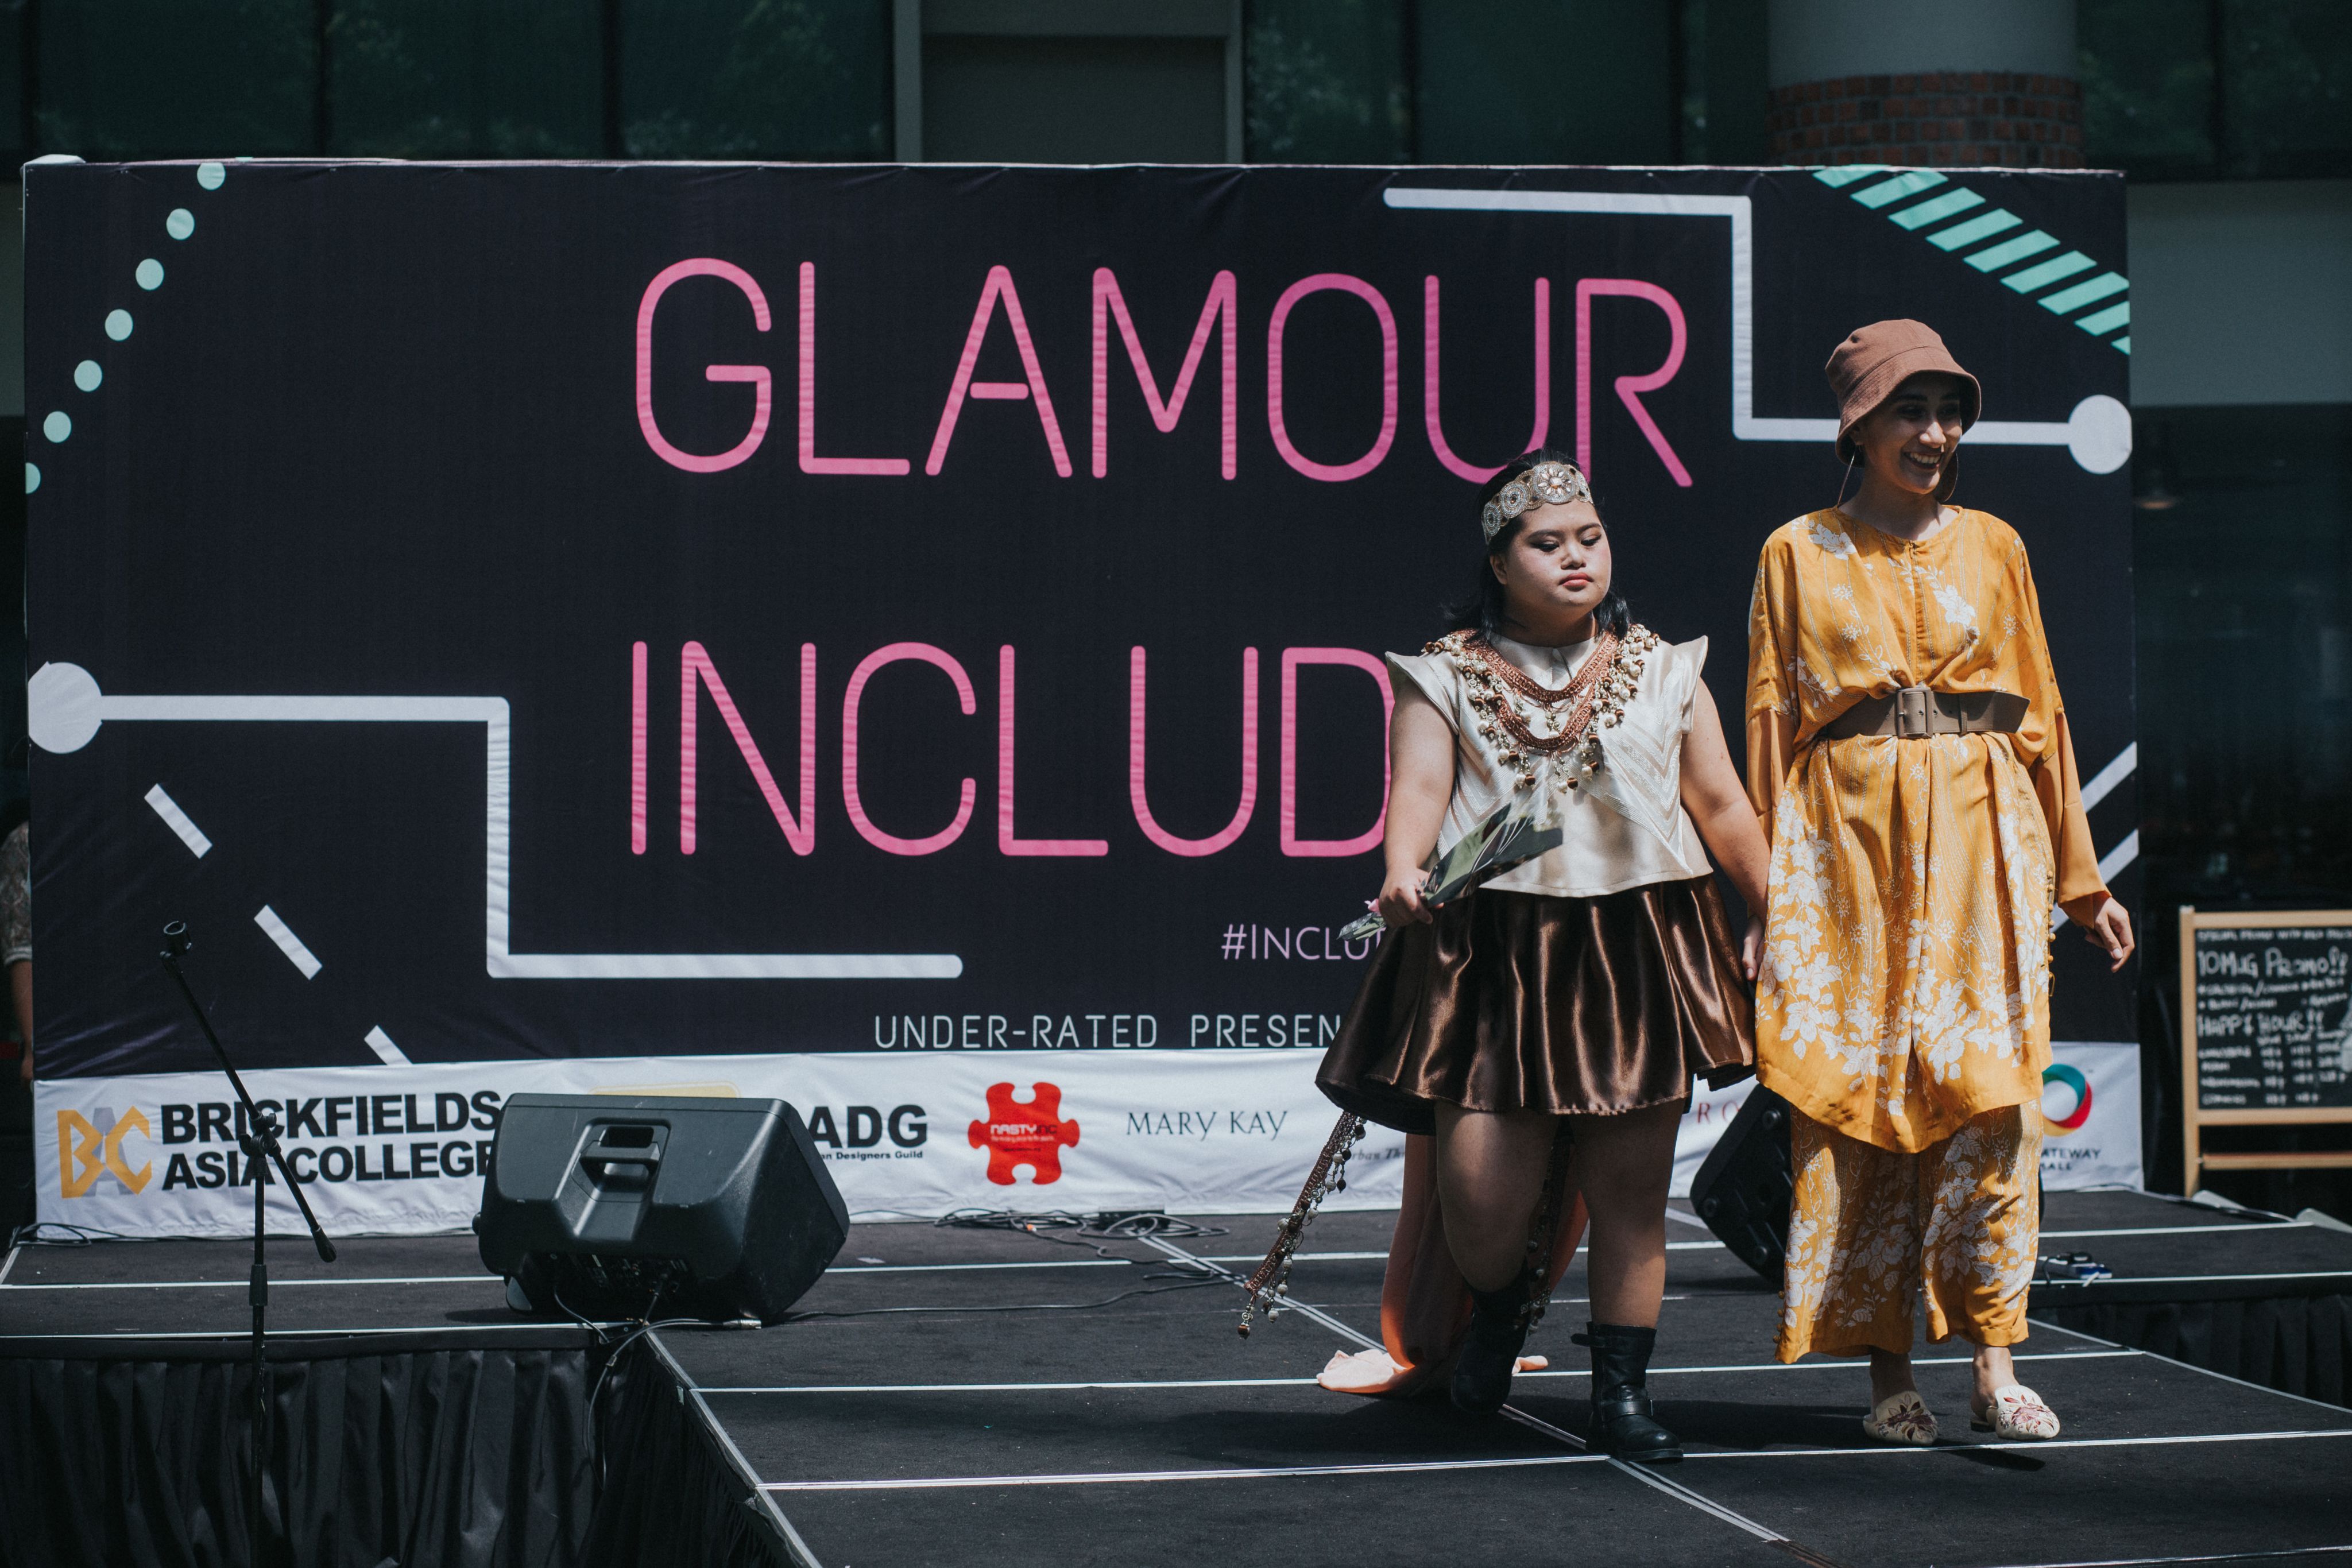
(257, 1136)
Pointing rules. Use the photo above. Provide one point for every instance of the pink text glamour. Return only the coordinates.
(1208, 370)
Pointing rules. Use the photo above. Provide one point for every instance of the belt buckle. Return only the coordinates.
(1912, 706)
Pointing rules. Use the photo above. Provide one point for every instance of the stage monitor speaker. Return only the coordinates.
(1742, 1190)
(610, 1206)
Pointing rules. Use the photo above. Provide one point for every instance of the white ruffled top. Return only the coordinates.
(1623, 826)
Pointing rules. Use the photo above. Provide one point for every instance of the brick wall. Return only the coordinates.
(2006, 117)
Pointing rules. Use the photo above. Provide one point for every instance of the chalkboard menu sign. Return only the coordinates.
(2267, 1027)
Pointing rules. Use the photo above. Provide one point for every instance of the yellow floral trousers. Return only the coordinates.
(1869, 1226)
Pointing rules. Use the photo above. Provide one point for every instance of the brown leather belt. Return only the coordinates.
(1915, 711)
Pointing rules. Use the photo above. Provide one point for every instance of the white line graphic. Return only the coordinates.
(391, 1054)
(287, 943)
(67, 707)
(177, 821)
(2098, 432)
(2104, 781)
(2102, 785)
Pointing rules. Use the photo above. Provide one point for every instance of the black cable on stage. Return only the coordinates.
(1190, 1283)
(1086, 1231)
(83, 1235)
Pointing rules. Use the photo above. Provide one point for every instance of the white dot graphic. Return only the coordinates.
(32, 478)
(150, 274)
(87, 375)
(210, 175)
(118, 325)
(181, 224)
(59, 425)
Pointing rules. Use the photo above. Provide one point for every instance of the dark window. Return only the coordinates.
(2147, 85)
(1327, 82)
(2205, 89)
(2286, 87)
(755, 78)
(1723, 83)
(465, 79)
(2243, 583)
(1504, 82)
(127, 78)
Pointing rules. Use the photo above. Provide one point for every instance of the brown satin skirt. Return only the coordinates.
(1515, 1001)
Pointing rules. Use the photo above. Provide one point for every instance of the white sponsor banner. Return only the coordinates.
(1710, 1112)
(2090, 1108)
(2090, 1115)
(397, 1149)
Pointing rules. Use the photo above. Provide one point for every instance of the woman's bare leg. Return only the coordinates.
(1624, 1166)
(1490, 1171)
(1890, 1374)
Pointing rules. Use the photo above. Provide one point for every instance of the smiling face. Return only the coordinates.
(1906, 440)
(1555, 570)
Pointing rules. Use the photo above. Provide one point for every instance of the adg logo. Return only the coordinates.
(89, 1150)
(2069, 1082)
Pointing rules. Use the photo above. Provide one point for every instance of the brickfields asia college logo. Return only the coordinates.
(1032, 1134)
(90, 1151)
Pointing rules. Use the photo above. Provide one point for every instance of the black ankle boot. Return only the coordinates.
(1498, 1327)
(1622, 1423)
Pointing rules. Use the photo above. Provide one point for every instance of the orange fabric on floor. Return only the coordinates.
(1424, 1301)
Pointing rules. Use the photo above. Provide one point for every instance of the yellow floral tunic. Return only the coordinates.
(1906, 983)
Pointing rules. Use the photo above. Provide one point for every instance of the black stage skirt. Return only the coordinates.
(1516, 1002)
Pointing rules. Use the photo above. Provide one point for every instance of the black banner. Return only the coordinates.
(631, 611)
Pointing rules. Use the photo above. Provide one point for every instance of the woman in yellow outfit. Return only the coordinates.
(1908, 754)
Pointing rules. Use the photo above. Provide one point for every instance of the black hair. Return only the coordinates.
(1481, 608)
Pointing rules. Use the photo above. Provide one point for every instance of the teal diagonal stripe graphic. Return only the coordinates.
(1956, 220)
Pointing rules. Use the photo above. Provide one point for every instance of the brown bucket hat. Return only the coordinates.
(1874, 360)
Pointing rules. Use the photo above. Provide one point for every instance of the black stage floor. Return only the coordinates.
(984, 1397)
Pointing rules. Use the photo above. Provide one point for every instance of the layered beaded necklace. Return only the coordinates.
(1527, 720)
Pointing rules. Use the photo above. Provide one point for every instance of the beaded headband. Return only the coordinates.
(1553, 482)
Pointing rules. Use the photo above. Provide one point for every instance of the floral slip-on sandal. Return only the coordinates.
(1901, 1419)
(2018, 1415)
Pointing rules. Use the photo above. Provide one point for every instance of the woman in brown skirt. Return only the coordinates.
(1574, 995)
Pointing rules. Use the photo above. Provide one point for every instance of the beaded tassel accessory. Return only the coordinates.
(1545, 1228)
(1272, 1281)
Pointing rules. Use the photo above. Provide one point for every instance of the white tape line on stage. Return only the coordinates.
(310, 1332)
(1881, 1449)
(2199, 1557)
(793, 1545)
(2248, 1229)
(1410, 1467)
(274, 1284)
(1116, 1478)
(2190, 1367)
(1309, 1382)
(1641, 1473)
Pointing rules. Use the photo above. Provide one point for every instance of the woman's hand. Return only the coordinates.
(2107, 927)
(1400, 902)
(1752, 947)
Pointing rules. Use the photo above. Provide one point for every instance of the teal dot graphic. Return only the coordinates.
(150, 274)
(210, 175)
(59, 425)
(118, 325)
(87, 375)
(181, 224)
(32, 478)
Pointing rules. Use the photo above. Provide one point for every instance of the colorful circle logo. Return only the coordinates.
(2059, 1073)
